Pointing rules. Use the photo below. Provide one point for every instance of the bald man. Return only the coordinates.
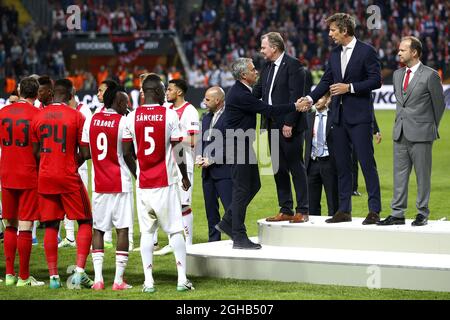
(216, 175)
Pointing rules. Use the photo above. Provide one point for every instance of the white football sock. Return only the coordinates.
(69, 225)
(33, 232)
(97, 260)
(107, 236)
(155, 236)
(176, 241)
(188, 223)
(147, 257)
(121, 264)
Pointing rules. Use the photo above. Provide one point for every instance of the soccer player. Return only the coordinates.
(45, 92)
(189, 128)
(56, 136)
(69, 225)
(111, 84)
(154, 131)
(112, 199)
(18, 173)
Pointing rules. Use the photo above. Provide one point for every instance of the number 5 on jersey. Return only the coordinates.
(149, 139)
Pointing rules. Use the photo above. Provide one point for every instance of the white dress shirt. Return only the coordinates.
(411, 75)
(314, 139)
(277, 66)
(350, 48)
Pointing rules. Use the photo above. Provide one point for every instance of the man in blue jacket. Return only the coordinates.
(353, 71)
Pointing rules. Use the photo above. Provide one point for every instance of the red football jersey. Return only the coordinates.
(103, 132)
(18, 169)
(152, 128)
(58, 129)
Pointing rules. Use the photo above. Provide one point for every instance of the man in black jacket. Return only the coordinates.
(282, 81)
(216, 173)
(240, 121)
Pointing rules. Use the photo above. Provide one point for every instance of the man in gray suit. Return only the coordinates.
(420, 106)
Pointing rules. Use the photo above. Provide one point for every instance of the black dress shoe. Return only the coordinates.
(246, 245)
(356, 194)
(340, 217)
(391, 220)
(372, 218)
(420, 220)
(224, 227)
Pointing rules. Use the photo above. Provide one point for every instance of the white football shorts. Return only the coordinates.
(112, 210)
(159, 206)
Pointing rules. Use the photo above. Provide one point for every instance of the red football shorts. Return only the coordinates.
(21, 204)
(75, 205)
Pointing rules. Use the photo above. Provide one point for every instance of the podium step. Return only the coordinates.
(362, 268)
(433, 238)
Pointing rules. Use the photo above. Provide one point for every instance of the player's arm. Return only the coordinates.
(128, 152)
(85, 151)
(36, 152)
(190, 141)
(180, 158)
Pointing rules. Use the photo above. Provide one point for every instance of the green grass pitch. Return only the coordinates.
(264, 204)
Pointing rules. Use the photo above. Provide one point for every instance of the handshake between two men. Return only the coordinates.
(304, 104)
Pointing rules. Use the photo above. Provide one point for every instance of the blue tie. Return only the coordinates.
(320, 136)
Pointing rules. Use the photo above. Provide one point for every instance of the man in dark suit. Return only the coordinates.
(282, 81)
(240, 122)
(216, 174)
(353, 71)
(355, 169)
(319, 160)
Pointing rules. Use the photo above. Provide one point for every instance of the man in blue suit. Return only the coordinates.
(216, 174)
(240, 122)
(353, 71)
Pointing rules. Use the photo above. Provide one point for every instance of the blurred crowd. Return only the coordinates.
(219, 31)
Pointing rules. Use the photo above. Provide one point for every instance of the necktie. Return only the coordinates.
(405, 85)
(320, 136)
(344, 61)
(269, 81)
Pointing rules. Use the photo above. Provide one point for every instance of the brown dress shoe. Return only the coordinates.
(280, 217)
(340, 217)
(300, 217)
(372, 218)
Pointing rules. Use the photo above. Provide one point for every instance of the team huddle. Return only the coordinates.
(42, 150)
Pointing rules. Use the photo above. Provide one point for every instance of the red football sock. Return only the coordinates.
(84, 240)
(10, 244)
(24, 248)
(51, 250)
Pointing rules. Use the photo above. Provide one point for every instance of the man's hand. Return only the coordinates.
(199, 161)
(339, 88)
(303, 104)
(186, 183)
(287, 131)
(377, 137)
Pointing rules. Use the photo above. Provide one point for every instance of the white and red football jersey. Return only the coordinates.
(103, 132)
(152, 128)
(189, 125)
(83, 169)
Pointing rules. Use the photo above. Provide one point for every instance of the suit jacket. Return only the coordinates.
(363, 71)
(288, 87)
(219, 169)
(420, 109)
(240, 113)
(310, 118)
